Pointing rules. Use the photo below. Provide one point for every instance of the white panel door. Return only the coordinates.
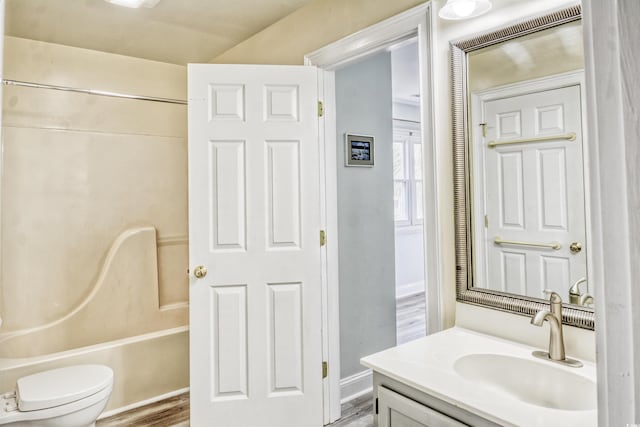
(255, 318)
(534, 192)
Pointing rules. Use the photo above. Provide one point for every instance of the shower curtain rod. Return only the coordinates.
(93, 92)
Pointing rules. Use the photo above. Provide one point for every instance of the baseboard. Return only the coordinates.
(355, 386)
(154, 399)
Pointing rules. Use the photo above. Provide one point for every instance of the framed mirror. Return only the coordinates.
(520, 193)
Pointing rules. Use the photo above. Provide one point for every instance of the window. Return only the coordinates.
(407, 176)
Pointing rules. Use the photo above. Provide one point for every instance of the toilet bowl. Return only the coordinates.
(67, 397)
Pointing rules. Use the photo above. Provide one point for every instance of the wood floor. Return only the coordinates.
(174, 412)
(410, 318)
(356, 413)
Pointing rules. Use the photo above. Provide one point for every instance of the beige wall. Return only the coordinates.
(311, 27)
(79, 170)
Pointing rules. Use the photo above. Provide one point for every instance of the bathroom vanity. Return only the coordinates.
(460, 377)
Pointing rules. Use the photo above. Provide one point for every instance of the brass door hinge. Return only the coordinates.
(320, 109)
(325, 369)
(323, 238)
(486, 220)
(484, 129)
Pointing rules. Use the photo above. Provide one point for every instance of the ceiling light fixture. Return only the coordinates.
(463, 9)
(135, 3)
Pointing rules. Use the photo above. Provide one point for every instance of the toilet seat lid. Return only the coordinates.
(61, 386)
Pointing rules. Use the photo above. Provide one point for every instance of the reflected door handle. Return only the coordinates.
(575, 247)
(200, 271)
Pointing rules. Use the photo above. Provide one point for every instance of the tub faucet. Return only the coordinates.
(556, 340)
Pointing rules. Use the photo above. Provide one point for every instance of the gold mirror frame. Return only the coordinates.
(581, 317)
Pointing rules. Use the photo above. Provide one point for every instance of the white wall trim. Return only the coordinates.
(329, 253)
(369, 40)
(356, 385)
(611, 34)
(141, 403)
(431, 206)
(415, 22)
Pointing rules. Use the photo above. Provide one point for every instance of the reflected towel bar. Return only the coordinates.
(568, 136)
(552, 245)
(93, 92)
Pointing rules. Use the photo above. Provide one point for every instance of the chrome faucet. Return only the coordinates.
(556, 340)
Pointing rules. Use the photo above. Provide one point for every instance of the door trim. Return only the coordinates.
(415, 22)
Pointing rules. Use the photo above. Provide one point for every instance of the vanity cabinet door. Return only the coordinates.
(395, 410)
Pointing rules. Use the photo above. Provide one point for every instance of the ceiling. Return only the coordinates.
(175, 31)
(553, 51)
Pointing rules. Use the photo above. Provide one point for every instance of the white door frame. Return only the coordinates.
(479, 98)
(415, 22)
(610, 37)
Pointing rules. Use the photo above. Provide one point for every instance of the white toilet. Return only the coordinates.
(68, 397)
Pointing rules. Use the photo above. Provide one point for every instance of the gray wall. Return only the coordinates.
(365, 214)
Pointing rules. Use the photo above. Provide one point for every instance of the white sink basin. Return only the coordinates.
(537, 383)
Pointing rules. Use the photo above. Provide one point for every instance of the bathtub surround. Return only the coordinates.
(129, 274)
(80, 171)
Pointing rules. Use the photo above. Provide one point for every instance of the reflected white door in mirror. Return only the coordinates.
(520, 157)
(528, 196)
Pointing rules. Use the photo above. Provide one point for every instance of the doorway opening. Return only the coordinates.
(380, 208)
(358, 53)
(408, 193)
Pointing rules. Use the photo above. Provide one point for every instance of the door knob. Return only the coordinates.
(575, 247)
(200, 271)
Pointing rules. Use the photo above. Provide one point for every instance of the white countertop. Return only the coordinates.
(427, 365)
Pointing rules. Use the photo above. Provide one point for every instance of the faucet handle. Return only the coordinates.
(554, 297)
